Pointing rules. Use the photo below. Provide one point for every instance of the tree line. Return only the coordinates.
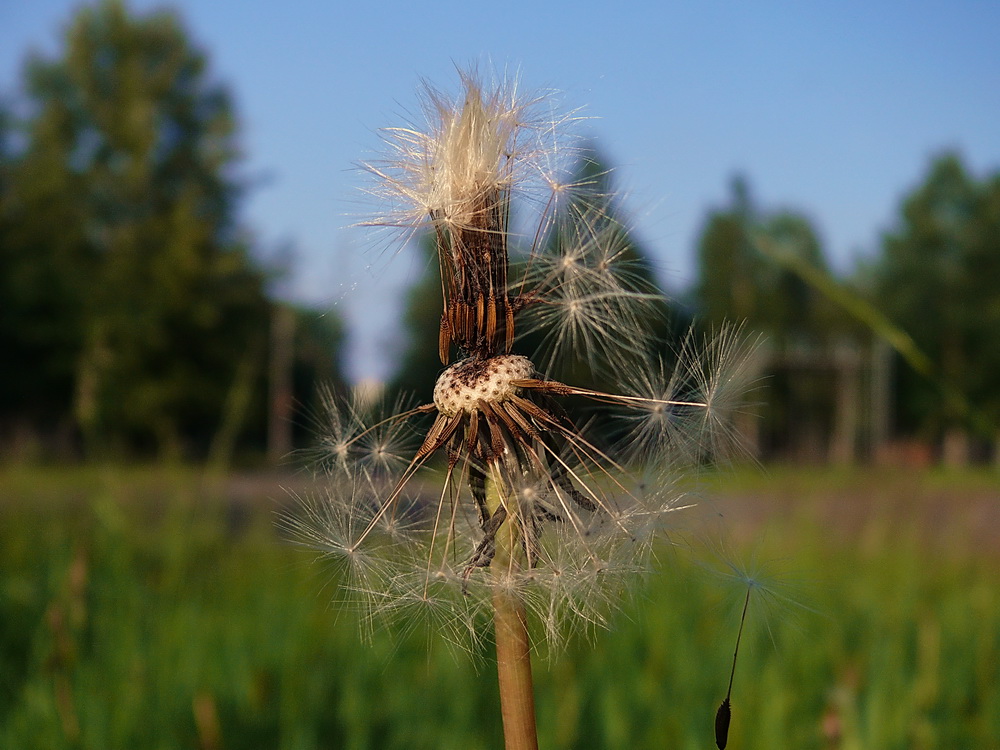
(897, 359)
(134, 309)
(137, 316)
(913, 325)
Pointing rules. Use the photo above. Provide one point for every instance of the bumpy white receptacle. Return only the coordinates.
(463, 385)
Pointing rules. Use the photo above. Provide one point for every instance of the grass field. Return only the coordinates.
(151, 608)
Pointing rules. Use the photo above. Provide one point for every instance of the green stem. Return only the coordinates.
(517, 696)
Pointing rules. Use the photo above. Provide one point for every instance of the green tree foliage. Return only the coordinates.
(938, 280)
(317, 369)
(728, 264)
(420, 364)
(38, 324)
(127, 286)
(739, 282)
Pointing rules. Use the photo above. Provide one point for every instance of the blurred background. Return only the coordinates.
(180, 285)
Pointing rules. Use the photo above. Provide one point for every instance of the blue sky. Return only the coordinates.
(830, 108)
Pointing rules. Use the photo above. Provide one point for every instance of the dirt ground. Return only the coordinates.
(948, 511)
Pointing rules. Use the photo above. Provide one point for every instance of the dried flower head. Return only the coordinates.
(503, 491)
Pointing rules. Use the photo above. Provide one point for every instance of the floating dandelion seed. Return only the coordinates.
(769, 592)
(725, 712)
(533, 513)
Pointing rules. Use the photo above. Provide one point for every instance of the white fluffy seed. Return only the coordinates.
(463, 385)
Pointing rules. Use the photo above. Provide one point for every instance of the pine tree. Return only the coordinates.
(937, 279)
(139, 299)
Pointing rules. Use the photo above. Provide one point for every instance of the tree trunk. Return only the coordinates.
(279, 427)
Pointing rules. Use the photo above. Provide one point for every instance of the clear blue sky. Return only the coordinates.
(830, 108)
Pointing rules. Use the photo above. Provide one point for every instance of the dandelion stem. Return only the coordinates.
(517, 696)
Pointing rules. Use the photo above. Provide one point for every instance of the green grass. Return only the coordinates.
(141, 609)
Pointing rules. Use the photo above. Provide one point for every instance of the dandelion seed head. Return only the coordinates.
(499, 491)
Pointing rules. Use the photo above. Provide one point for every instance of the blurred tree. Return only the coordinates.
(938, 280)
(317, 370)
(740, 280)
(420, 363)
(136, 305)
(791, 308)
(729, 268)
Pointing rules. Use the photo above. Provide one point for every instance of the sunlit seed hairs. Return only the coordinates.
(420, 501)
